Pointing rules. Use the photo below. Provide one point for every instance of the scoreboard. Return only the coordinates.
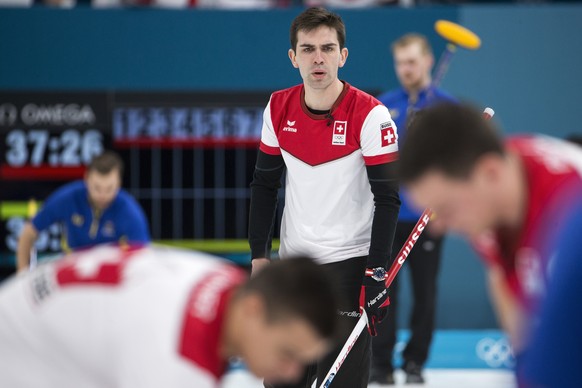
(52, 137)
(189, 157)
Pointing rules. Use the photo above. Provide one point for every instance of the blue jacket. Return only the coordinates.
(397, 103)
(123, 220)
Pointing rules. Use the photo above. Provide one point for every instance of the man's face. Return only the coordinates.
(279, 350)
(318, 57)
(103, 188)
(465, 206)
(412, 66)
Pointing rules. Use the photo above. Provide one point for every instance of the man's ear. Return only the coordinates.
(255, 305)
(490, 168)
(343, 57)
(291, 54)
(430, 61)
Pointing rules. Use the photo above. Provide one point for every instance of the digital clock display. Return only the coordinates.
(36, 147)
(51, 136)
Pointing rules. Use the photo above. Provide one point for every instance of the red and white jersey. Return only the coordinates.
(553, 172)
(109, 317)
(328, 203)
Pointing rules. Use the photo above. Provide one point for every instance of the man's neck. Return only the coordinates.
(414, 91)
(323, 99)
(233, 333)
(515, 198)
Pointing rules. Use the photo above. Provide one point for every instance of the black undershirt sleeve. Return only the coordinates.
(264, 189)
(384, 186)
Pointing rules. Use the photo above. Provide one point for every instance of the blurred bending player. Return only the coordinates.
(519, 202)
(154, 317)
(413, 62)
(91, 211)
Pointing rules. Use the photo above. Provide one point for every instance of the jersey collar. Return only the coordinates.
(326, 116)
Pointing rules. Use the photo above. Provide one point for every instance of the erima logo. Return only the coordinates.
(289, 127)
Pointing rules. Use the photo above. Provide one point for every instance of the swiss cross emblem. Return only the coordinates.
(339, 132)
(388, 134)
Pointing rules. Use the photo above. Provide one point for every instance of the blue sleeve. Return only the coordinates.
(135, 224)
(554, 354)
(387, 98)
(54, 208)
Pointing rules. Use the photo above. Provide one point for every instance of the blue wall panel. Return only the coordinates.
(139, 49)
(529, 68)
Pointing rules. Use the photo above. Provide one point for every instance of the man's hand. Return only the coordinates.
(257, 264)
(374, 298)
(26, 241)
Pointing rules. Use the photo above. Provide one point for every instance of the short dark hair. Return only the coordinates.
(298, 287)
(106, 162)
(315, 17)
(449, 138)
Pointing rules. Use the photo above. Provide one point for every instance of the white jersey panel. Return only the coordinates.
(328, 209)
(557, 154)
(40, 333)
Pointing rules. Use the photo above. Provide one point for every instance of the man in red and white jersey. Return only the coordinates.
(155, 317)
(338, 146)
(518, 202)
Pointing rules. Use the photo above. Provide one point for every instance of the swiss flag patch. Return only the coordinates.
(339, 132)
(388, 134)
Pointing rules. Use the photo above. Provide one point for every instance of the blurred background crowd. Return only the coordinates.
(252, 4)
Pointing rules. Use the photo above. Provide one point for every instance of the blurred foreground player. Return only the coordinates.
(520, 203)
(92, 211)
(555, 348)
(153, 317)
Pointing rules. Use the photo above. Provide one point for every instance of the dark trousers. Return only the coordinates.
(423, 264)
(355, 369)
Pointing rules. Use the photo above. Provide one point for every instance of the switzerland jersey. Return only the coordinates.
(110, 317)
(553, 172)
(328, 203)
(83, 227)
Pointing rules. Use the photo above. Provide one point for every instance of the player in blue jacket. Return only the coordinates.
(413, 61)
(91, 211)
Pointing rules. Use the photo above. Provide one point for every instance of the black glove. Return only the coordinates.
(374, 297)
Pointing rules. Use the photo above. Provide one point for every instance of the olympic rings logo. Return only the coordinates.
(496, 353)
